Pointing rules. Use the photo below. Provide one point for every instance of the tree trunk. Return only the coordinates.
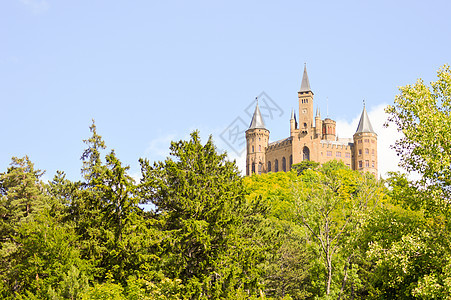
(328, 260)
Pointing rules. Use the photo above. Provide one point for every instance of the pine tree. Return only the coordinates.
(197, 195)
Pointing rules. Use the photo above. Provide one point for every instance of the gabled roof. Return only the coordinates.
(364, 123)
(305, 84)
(257, 120)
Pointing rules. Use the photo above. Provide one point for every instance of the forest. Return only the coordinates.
(315, 232)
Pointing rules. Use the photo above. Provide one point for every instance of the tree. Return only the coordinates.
(330, 203)
(22, 199)
(413, 259)
(287, 255)
(197, 196)
(21, 191)
(422, 114)
(116, 235)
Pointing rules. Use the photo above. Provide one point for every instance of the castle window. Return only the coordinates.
(329, 153)
(253, 168)
(347, 154)
(305, 153)
(372, 164)
(269, 166)
(259, 168)
(338, 154)
(284, 164)
(360, 151)
(367, 151)
(276, 166)
(367, 140)
(252, 148)
(360, 163)
(259, 139)
(260, 148)
(367, 163)
(372, 152)
(360, 141)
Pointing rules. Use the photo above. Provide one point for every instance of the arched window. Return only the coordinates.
(253, 168)
(276, 166)
(269, 166)
(305, 153)
(252, 148)
(284, 164)
(260, 168)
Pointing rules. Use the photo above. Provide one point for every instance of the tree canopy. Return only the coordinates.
(315, 232)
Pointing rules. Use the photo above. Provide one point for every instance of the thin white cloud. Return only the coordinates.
(158, 148)
(36, 6)
(240, 161)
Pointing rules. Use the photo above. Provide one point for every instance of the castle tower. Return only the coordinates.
(305, 96)
(329, 126)
(365, 146)
(257, 138)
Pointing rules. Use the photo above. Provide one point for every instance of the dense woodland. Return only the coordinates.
(316, 232)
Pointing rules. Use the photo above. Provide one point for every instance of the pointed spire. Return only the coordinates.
(292, 114)
(364, 123)
(257, 120)
(305, 84)
(318, 115)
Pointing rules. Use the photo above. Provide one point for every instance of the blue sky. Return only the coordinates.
(150, 72)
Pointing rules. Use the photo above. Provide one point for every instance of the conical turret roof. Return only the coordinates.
(257, 120)
(364, 123)
(305, 84)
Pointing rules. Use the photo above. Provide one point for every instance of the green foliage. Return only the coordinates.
(317, 232)
(198, 196)
(21, 194)
(275, 190)
(422, 114)
(116, 235)
(412, 260)
(305, 165)
(330, 204)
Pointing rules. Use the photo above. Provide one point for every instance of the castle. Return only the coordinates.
(311, 139)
